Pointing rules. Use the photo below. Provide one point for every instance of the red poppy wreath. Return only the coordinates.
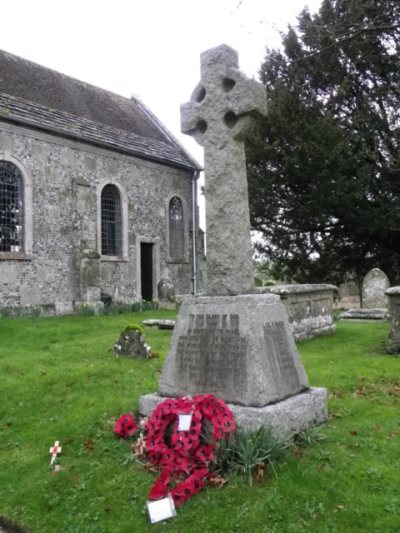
(181, 453)
(125, 426)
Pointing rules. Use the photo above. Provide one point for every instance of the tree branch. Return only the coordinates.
(340, 41)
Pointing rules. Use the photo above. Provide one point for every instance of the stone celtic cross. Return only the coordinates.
(218, 116)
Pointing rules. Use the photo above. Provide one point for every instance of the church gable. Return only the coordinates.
(43, 98)
(89, 212)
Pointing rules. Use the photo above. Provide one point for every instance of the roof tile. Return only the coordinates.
(45, 99)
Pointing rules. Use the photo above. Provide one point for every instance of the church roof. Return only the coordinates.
(42, 98)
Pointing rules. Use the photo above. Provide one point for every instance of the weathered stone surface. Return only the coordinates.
(218, 117)
(62, 268)
(349, 295)
(166, 291)
(309, 308)
(236, 347)
(8, 274)
(161, 324)
(285, 418)
(131, 344)
(374, 286)
(365, 314)
(393, 343)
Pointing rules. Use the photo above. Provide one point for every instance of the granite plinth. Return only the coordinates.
(239, 348)
(298, 413)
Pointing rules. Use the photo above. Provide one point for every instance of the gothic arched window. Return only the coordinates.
(111, 221)
(176, 228)
(11, 208)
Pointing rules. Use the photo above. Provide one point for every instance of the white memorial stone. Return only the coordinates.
(374, 286)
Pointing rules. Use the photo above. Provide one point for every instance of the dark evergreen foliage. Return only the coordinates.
(324, 167)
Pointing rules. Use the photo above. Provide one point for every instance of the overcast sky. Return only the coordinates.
(149, 48)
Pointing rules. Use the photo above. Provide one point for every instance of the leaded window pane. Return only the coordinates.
(11, 208)
(111, 230)
(176, 229)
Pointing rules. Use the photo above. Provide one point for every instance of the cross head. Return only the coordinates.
(224, 100)
(219, 114)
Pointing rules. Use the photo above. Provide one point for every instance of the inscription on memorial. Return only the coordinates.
(279, 353)
(212, 355)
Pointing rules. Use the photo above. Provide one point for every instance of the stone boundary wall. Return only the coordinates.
(309, 307)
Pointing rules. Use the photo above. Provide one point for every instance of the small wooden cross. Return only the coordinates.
(55, 450)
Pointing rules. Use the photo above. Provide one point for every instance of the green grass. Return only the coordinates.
(60, 381)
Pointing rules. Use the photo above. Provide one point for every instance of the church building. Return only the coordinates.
(97, 198)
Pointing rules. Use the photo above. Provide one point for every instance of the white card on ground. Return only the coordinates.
(184, 422)
(161, 509)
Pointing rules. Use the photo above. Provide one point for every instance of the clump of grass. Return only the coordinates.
(246, 452)
(309, 437)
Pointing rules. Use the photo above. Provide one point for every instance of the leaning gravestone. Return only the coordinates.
(374, 286)
(232, 342)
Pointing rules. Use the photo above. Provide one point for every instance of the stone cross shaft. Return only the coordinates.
(219, 115)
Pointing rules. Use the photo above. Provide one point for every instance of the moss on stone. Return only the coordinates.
(136, 327)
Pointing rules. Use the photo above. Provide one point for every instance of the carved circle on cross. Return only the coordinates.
(224, 102)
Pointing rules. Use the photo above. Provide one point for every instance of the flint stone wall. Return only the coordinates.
(309, 308)
(64, 267)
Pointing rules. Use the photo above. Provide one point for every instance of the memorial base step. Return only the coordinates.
(285, 418)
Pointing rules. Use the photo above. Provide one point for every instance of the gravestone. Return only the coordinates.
(374, 286)
(131, 343)
(393, 343)
(166, 292)
(232, 342)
